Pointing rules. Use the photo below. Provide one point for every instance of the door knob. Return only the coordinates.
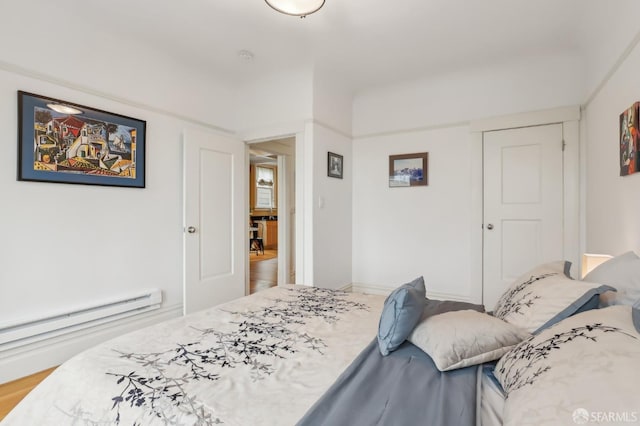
(490, 226)
(191, 229)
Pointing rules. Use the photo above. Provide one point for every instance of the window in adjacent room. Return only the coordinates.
(265, 183)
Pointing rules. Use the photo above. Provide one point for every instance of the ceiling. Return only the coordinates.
(267, 152)
(367, 42)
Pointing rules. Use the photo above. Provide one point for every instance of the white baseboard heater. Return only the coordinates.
(25, 331)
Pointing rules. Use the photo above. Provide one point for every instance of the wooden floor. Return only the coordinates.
(263, 270)
(11, 393)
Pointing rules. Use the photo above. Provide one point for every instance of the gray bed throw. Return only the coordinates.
(403, 388)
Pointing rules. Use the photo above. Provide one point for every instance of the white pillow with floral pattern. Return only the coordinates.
(546, 295)
(583, 370)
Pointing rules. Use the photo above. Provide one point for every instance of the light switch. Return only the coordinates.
(321, 202)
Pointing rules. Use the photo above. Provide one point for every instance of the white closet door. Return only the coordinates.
(523, 204)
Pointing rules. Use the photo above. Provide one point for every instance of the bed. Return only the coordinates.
(553, 351)
(579, 365)
(261, 359)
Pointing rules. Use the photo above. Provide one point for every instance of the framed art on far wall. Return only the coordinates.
(334, 165)
(63, 142)
(408, 170)
(629, 140)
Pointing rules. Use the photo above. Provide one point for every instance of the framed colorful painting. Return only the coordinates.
(63, 142)
(629, 140)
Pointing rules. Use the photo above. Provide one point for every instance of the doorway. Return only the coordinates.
(271, 222)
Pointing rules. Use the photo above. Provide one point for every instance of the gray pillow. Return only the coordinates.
(621, 272)
(400, 314)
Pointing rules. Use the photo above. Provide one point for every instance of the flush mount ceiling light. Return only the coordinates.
(64, 109)
(299, 8)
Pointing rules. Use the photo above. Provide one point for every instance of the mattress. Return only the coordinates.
(491, 398)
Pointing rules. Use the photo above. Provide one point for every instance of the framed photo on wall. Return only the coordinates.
(63, 142)
(408, 170)
(334, 165)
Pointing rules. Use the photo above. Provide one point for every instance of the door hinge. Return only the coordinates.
(564, 144)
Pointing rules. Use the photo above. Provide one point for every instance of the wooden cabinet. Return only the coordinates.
(271, 237)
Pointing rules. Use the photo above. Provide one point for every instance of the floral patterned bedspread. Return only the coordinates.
(259, 360)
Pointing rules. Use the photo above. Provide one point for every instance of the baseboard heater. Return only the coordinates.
(30, 330)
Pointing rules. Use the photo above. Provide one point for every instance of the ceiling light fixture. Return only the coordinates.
(299, 8)
(64, 109)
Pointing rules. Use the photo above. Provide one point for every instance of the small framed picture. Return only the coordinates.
(334, 165)
(408, 170)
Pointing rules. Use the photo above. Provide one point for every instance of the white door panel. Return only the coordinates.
(523, 204)
(216, 238)
(214, 227)
(523, 163)
(515, 255)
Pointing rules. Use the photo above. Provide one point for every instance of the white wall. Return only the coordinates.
(67, 246)
(400, 233)
(332, 203)
(281, 105)
(332, 102)
(612, 201)
(33, 39)
(275, 105)
(312, 104)
(331, 198)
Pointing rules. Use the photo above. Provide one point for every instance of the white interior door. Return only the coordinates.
(523, 204)
(214, 222)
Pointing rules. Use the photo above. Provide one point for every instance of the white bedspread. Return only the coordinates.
(260, 360)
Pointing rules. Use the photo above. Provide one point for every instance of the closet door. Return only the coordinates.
(523, 204)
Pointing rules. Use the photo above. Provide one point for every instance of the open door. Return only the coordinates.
(215, 227)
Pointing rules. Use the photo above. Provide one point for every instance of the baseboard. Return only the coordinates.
(31, 358)
(348, 288)
(370, 289)
(384, 291)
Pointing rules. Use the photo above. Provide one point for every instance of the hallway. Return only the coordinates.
(263, 271)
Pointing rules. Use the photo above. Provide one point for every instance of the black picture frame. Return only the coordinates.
(407, 170)
(335, 165)
(64, 142)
